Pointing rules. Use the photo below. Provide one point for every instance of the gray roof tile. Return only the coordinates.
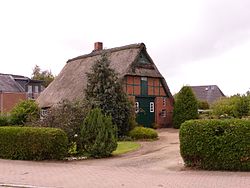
(8, 84)
(209, 93)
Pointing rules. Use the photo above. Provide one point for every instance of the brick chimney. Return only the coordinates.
(98, 46)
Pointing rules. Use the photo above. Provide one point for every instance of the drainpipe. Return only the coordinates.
(1, 102)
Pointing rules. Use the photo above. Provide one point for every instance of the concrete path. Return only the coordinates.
(156, 164)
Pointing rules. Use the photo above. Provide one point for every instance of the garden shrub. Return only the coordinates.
(143, 133)
(203, 105)
(236, 106)
(216, 144)
(67, 116)
(25, 111)
(28, 143)
(4, 120)
(98, 134)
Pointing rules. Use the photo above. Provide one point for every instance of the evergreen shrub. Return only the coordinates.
(216, 144)
(185, 107)
(98, 134)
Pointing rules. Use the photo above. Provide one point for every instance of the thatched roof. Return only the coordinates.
(72, 80)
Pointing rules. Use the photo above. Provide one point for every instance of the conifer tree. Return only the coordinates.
(104, 90)
(185, 107)
(98, 134)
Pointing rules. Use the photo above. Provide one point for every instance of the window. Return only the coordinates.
(144, 86)
(36, 89)
(164, 113)
(136, 107)
(29, 89)
(44, 112)
(152, 107)
(164, 100)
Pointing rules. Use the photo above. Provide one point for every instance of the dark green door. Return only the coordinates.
(145, 111)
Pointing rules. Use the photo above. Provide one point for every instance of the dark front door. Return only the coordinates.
(145, 111)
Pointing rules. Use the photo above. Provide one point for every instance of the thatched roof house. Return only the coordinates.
(130, 62)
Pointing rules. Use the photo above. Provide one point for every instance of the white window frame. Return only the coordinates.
(137, 107)
(152, 107)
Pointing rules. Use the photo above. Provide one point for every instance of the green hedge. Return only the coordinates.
(216, 144)
(143, 133)
(27, 143)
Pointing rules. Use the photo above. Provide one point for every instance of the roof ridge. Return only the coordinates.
(94, 53)
(204, 85)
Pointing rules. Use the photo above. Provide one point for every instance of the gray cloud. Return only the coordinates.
(222, 25)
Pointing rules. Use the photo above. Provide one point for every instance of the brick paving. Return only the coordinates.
(69, 174)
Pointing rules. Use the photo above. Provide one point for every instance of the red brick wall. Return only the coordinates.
(163, 119)
(9, 100)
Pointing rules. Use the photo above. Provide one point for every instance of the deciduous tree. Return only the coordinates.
(45, 76)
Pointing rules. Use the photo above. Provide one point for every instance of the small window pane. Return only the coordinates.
(29, 89)
(152, 109)
(36, 89)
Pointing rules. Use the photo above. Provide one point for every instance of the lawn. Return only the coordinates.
(124, 147)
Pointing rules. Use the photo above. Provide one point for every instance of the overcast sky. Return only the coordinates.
(194, 42)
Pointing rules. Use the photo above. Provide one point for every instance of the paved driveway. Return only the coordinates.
(156, 164)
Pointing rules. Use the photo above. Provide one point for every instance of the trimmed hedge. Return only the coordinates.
(143, 133)
(216, 144)
(28, 143)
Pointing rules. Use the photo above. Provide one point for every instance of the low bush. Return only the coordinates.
(216, 144)
(143, 133)
(28, 143)
(98, 134)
